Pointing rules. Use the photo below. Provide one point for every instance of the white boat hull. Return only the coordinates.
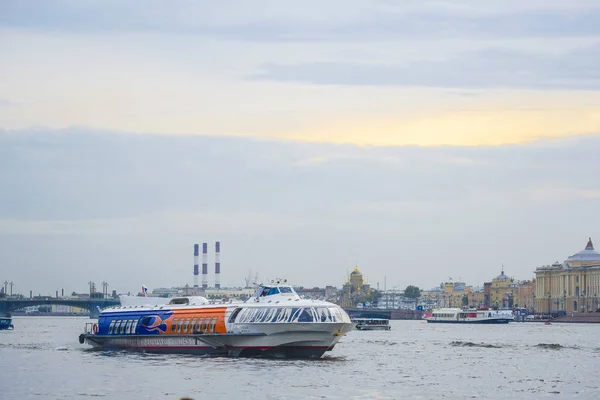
(305, 340)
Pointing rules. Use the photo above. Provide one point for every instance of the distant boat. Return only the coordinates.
(460, 316)
(6, 323)
(372, 324)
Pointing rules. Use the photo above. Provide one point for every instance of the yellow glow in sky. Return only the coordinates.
(467, 128)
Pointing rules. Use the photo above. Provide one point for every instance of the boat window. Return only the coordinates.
(295, 314)
(265, 291)
(305, 316)
(272, 291)
(213, 324)
(240, 315)
(136, 325)
(132, 327)
(187, 325)
(284, 289)
(174, 324)
(122, 327)
(336, 316)
(324, 315)
(260, 315)
(127, 327)
(180, 300)
(234, 314)
(249, 315)
(179, 325)
(277, 312)
(111, 327)
(199, 324)
(193, 324)
(269, 315)
(258, 291)
(285, 315)
(314, 313)
(205, 324)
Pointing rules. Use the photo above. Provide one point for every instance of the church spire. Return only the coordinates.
(590, 245)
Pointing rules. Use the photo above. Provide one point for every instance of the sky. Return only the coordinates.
(422, 140)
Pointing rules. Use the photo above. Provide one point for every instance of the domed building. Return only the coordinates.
(571, 286)
(503, 290)
(354, 288)
(356, 279)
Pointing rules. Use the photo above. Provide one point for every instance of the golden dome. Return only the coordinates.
(356, 271)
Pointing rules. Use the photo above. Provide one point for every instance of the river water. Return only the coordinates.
(42, 359)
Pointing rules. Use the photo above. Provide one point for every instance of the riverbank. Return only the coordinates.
(579, 318)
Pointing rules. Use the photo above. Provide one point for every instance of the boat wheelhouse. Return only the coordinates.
(275, 321)
(372, 324)
(6, 323)
(461, 316)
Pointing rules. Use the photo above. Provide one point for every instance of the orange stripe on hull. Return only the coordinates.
(196, 320)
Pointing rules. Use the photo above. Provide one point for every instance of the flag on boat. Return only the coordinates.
(144, 289)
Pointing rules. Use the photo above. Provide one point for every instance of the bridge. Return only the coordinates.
(383, 313)
(10, 304)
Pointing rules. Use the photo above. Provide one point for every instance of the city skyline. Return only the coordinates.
(419, 140)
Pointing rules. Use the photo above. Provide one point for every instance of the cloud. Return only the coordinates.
(491, 68)
(8, 104)
(334, 21)
(132, 205)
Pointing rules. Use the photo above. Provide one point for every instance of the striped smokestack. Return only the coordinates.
(196, 272)
(218, 265)
(204, 265)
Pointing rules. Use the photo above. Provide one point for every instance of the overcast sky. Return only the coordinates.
(420, 139)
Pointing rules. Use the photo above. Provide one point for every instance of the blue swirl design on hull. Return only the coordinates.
(153, 324)
(148, 322)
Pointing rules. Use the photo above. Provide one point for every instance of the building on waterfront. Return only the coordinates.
(573, 286)
(452, 294)
(526, 295)
(503, 291)
(356, 289)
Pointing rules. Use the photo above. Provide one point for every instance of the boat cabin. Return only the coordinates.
(193, 300)
(276, 291)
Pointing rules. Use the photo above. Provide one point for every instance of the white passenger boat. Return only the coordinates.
(460, 316)
(275, 321)
(372, 324)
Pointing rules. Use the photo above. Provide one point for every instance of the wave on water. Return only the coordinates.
(383, 342)
(460, 343)
(550, 346)
(28, 346)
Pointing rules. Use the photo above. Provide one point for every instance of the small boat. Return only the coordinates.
(372, 324)
(6, 323)
(273, 322)
(460, 316)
